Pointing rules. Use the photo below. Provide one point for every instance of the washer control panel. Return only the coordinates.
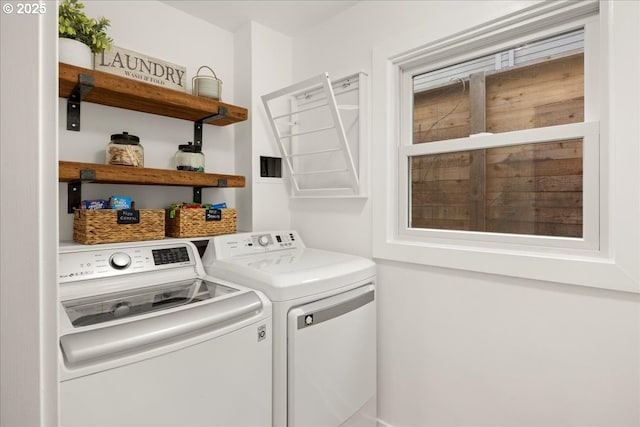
(97, 263)
(231, 245)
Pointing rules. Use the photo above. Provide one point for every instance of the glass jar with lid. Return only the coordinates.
(125, 150)
(189, 157)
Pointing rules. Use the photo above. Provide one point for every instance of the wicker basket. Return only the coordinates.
(193, 223)
(101, 226)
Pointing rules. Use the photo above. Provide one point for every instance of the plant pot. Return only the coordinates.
(75, 53)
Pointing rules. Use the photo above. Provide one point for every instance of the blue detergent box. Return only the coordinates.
(120, 202)
(95, 204)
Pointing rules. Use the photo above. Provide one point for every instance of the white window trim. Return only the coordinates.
(613, 261)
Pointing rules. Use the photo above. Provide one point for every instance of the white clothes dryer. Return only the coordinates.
(324, 322)
(146, 338)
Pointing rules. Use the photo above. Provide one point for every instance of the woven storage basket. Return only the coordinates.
(193, 223)
(101, 226)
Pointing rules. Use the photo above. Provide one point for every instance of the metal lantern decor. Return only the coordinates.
(208, 86)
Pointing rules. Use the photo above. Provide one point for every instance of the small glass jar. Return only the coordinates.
(189, 157)
(125, 150)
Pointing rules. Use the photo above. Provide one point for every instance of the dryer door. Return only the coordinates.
(332, 360)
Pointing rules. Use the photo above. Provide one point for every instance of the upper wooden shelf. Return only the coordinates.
(116, 91)
(110, 174)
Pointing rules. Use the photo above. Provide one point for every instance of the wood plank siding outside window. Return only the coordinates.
(533, 189)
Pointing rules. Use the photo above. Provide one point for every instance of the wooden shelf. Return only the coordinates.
(109, 174)
(115, 91)
(84, 85)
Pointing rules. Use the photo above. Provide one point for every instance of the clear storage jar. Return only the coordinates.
(125, 150)
(189, 157)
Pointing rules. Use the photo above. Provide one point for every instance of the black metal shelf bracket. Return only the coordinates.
(197, 134)
(222, 113)
(74, 189)
(74, 195)
(197, 191)
(84, 86)
(197, 195)
(197, 125)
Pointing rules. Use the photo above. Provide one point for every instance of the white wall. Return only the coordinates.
(464, 349)
(28, 223)
(263, 64)
(163, 32)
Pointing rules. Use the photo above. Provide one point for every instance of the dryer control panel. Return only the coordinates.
(232, 245)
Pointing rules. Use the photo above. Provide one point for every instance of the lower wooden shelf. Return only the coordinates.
(76, 173)
(110, 174)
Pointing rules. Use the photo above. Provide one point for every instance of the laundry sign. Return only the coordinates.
(136, 66)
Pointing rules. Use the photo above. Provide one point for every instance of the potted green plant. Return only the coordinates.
(80, 36)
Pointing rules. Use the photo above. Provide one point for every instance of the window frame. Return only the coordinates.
(596, 259)
(588, 130)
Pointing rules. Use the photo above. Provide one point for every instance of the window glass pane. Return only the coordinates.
(533, 189)
(441, 113)
(534, 85)
(545, 94)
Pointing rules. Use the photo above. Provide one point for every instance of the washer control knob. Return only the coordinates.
(263, 240)
(120, 260)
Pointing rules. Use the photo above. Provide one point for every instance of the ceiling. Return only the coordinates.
(289, 17)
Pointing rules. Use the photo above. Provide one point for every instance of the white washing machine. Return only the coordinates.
(148, 339)
(324, 321)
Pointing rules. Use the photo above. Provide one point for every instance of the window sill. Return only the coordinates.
(587, 270)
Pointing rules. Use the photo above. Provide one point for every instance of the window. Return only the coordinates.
(531, 189)
(495, 146)
(552, 197)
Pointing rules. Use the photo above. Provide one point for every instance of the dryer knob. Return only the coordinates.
(120, 260)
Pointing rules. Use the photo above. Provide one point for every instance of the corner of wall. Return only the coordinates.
(263, 63)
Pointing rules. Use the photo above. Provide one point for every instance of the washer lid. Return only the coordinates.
(295, 273)
(97, 309)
